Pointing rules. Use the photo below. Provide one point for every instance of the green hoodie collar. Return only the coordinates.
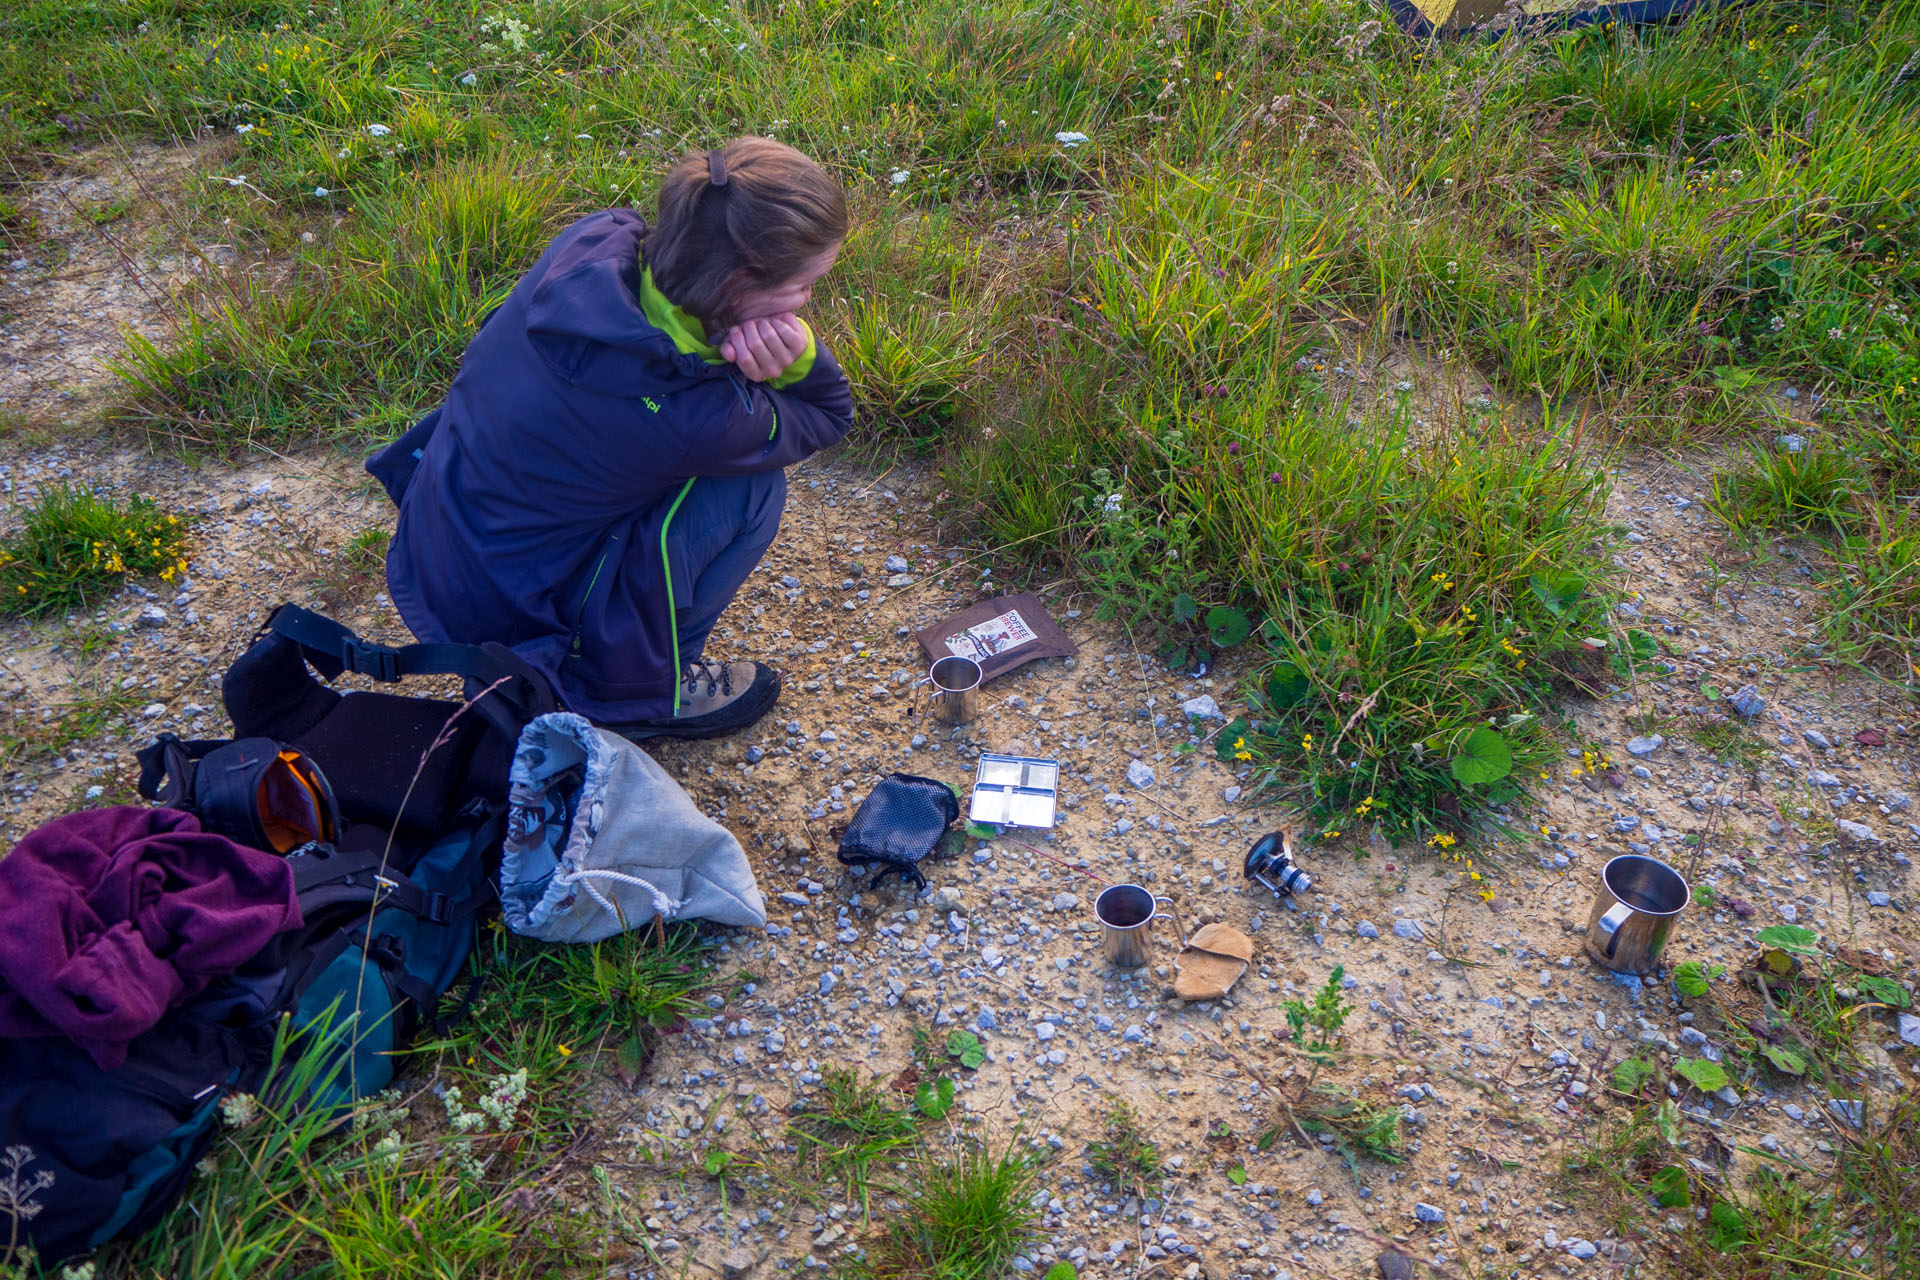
(688, 334)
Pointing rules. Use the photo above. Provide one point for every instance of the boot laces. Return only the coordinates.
(718, 675)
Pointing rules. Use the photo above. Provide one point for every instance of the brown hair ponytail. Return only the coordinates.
(750, 215)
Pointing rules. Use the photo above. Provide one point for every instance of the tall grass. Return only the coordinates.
(1658, 227)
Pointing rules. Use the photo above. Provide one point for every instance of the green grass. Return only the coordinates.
(965, 1213)
(73, 546)
(849, 1126)
(1778, 1217)
(1126, 1158)
(1640, 233)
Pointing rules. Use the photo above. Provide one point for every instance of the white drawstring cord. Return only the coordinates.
(585, 877)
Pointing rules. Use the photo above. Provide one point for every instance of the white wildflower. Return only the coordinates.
(389, 1149)
(79, 1271)
(898, 178)
(378, 130)
(469, 79)
(322, 192)
(243, 128)
(96, 791)
(1070, 138)
(1836, 334)
(1111, 507)
(583, 137)
(239, 1110)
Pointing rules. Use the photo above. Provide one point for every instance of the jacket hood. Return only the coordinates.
(588, 313)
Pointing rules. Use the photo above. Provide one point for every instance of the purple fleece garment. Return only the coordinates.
(110, 917)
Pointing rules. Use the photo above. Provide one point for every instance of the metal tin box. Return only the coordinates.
(1015, 791)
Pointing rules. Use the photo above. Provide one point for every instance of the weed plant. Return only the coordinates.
(966, 1212)
(1126, 1158)
(73, 546)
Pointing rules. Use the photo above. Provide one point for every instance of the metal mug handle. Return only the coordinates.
(1170, 917)
(1612, 922)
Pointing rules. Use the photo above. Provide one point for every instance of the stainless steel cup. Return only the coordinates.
(1126, 913)
(1639, 902)
(956, 689)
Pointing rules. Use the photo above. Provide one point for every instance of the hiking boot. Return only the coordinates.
(716, 698)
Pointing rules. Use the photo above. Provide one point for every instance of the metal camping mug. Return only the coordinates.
(1126, 913)
(1639, 902)
(956, 689)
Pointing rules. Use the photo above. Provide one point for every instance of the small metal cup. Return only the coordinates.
(1639, 902)
(1126, 913)
(956, 689)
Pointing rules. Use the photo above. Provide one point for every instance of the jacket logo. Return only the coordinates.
(648, 401)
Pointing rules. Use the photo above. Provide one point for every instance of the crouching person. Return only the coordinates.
(609, 464)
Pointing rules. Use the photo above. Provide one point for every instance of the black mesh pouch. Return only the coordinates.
(898, 825)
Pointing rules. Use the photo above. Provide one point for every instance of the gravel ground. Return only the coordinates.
(1481, 1020)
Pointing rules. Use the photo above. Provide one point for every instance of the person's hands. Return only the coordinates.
(765, 346)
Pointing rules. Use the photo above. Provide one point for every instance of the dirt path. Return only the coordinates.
(1481, 1020)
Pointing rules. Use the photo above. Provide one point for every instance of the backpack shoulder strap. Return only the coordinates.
(166, 768)
(524, 692)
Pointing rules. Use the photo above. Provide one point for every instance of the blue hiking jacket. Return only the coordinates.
(535, 502)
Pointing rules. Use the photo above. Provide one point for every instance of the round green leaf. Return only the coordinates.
(1484, 757)
(1287, 686)
(1184, 608)
(1228, 625)
(1703, 1075)
(1787, 1060)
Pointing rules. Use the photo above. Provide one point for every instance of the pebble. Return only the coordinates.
(1746, 701)
(1858, 830)
(1581, 1248)
(1366, 929)
(1408, 929)
(1140, 774)
(1910, 1030)
(897, 564)
(1202, 708)
(1852, 1110)
(1429, 1213)
(1875, 898)
(153, 616)
(1645, 746)
(1815, 738)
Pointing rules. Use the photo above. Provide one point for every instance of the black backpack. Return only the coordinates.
(105, 1153)
(403, 803)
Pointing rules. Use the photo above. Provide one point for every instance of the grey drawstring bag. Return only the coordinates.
(600, 840)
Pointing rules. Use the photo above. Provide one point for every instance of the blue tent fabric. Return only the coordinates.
(600, 839)
(1454, 17)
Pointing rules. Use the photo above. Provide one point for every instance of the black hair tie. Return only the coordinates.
(717, 166)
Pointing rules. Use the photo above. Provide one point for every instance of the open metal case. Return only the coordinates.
(1015, 791)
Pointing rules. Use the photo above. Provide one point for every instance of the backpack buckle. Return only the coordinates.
(364, 657)
(439, 908)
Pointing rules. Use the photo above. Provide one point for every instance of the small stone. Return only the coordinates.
(1408, 929)
(1366, 929)
(897, 564)
(755, 755)
(1815, 738)
(1858, 830)
(739, 1261)
(1910, 1030)
(1852, 1110)
(1645, 746)
(1315, 1198)
(1202, 708)
(1429, 1213)
(1581, 1248)
(153, 616)
(1821, 778)
(1877, 898)
(1065, 901)
(1140, 774)
(1746, 701)
(1394, 1266)
(827, 984)
(153, 709)
(1044, 1031)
